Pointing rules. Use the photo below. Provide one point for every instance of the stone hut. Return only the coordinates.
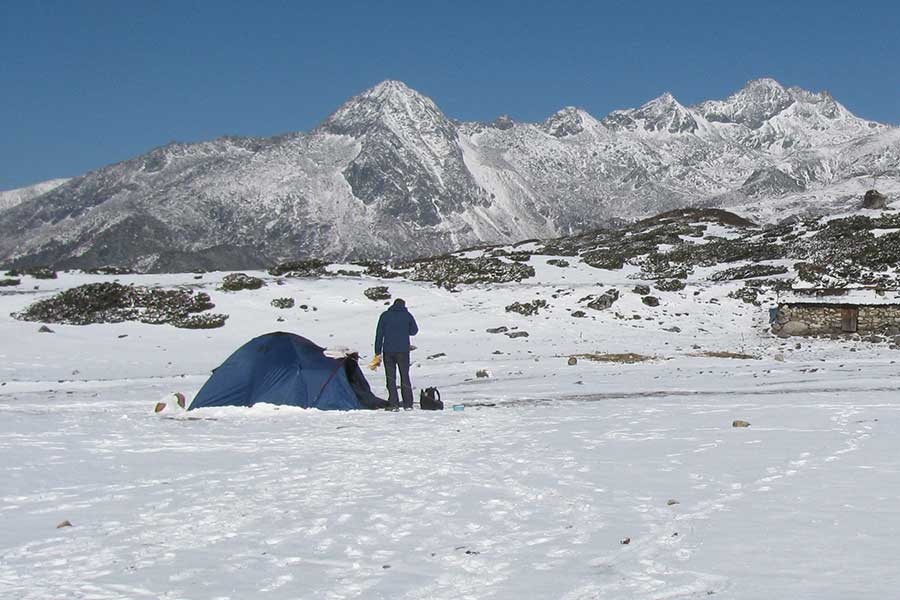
(841, 312)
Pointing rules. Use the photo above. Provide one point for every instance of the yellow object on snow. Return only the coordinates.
(376, 362)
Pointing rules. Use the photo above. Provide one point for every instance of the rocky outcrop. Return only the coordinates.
(874, 200)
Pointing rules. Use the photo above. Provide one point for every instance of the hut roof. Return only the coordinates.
(845, 296)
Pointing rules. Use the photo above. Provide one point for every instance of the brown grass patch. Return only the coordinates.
(626, 357)
(723, 354)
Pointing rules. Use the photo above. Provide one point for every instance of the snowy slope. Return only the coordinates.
(529, 498)
(389, 175)
(11, 198)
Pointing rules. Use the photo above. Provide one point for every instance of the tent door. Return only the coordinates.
(849, 319)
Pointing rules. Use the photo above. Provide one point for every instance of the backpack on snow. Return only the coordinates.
(430, 399)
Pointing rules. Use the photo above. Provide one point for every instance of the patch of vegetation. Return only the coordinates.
(36, 272)
(9, 282)
(624, 358)
(748, 272)
(312, 267)
(283, 303)
(701, 215)
(449, 271)
(109, 271)
(724, 354)
(207, 321)
(377, 269)
(670, 285)
(750, 295)
(518, 256)
(236, 282)
(777, 285)
(117, 303)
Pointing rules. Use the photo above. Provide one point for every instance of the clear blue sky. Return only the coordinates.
(84, 83)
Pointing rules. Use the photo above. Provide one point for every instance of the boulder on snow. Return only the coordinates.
(874, 200)
(740, 423)
(604, 300)
(482, 373)
(793, 328)
(45, 329)
(517, 334)
(650, 300)
(641, 289)
(63, 524)
(572, 361)
(377, 293)
(500, 329)
(527, 308)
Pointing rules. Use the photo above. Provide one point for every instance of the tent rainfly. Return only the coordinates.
(289, 370)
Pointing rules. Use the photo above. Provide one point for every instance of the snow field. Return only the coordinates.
(528, 498)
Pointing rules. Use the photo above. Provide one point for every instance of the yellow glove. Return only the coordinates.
(376, 362)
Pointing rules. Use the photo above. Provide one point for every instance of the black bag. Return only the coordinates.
(430, 399)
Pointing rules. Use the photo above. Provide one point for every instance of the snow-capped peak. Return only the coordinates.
(393, 92)
(754, 104)
(663, 113)
(388, 103)
(567, 121)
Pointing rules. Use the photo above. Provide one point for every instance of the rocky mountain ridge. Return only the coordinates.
(388, 175)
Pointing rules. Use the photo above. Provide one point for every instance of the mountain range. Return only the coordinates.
(388, 175)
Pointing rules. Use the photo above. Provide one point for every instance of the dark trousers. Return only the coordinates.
(393, 361)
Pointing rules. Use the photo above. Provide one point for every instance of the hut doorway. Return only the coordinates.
(849, 320)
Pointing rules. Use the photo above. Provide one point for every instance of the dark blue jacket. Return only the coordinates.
(395, 326)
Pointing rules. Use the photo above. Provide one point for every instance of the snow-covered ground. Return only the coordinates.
(529, 498)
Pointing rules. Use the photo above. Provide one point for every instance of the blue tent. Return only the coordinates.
(283, 368)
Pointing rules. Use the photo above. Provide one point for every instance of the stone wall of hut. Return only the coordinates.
(820, 319)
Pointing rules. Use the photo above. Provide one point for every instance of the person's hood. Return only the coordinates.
(398, 307)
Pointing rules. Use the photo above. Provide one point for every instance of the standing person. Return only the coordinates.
(395, 326)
